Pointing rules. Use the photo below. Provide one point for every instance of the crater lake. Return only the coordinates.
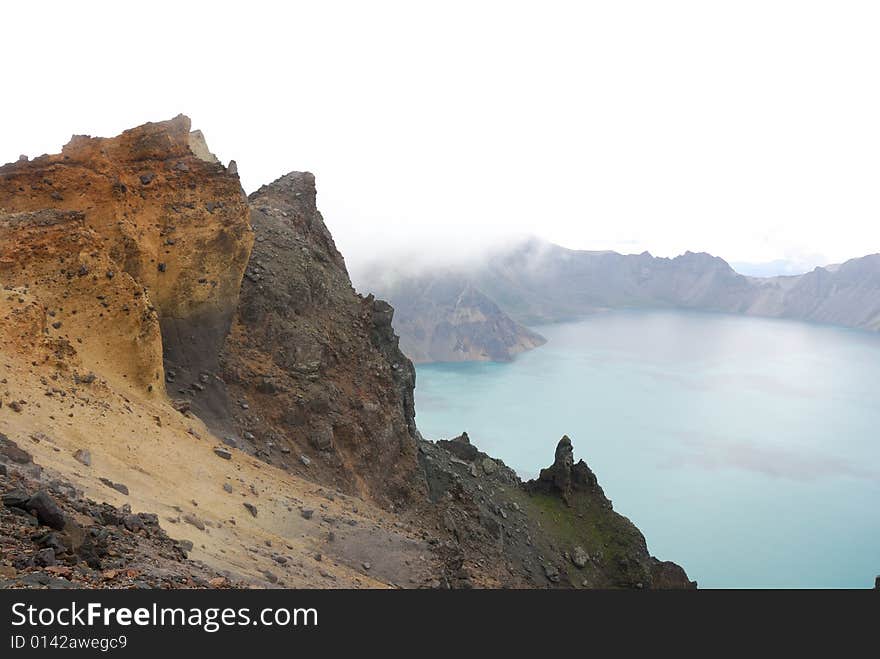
(745, 449)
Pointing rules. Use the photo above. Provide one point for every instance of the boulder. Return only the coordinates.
(322, 437)
(189, 518)
(11, 451)
(133, 523)
(579, 557)
(119, 487)
(44, 508)
(460, 447)
(16, 499)
(45, 557)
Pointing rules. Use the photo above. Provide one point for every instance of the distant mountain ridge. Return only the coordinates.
(446, 318)
(539, 282)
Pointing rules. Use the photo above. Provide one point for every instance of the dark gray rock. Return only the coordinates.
(322, 437)
(11, 451)
(223, 453)
(133, 523)
(16, 499)
(44, 508)
(185, 545)
(52, 540)
(565, 476)
(191, 519)
(45, 557)
(460, 447)
(88, 378)
(579, 557)
(119, 487)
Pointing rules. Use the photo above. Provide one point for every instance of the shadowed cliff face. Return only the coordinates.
(315, 368)
(174, 222)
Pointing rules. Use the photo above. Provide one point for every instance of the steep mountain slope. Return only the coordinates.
(316, 365)
(175, 222)
(559, 530)
(847, 295)
(86, 317)
(268, 428)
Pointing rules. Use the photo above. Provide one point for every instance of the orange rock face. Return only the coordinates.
(165, 212)
(64, 300)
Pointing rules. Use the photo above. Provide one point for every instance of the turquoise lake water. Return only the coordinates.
(747, 450)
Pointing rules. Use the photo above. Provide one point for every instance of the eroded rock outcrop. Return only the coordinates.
(165, 213)
(314, 368)
(557, 531)
(565, 477)
(64, 299)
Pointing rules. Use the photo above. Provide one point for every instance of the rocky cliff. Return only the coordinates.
(64, 300)
(319, 382)
(167, 215)
(558, 531)
(187, 375)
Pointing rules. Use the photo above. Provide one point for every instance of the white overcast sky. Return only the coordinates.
(747, 129)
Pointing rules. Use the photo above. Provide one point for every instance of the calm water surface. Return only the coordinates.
(747, 450)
